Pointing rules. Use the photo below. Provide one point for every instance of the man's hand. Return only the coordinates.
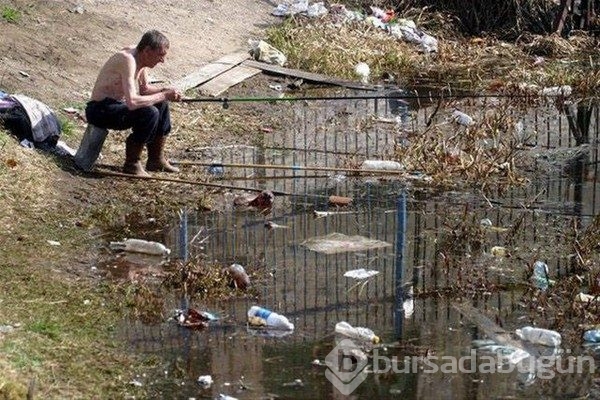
(172, 94)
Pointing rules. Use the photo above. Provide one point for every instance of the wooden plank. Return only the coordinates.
(210, 71)
(309, 76)
(230, 78)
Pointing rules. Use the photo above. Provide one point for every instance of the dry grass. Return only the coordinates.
(476, 64)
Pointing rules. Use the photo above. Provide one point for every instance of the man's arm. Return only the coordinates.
(146, 87)
(142, 95)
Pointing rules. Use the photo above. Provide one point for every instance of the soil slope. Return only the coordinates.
(55, 220)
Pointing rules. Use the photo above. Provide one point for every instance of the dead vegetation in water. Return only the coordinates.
(466, 265)
(200, 279)
(483, 154)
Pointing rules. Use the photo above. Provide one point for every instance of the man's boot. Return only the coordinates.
(133, 152)
(156, 156)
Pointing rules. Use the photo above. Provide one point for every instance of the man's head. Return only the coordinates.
(153, 46)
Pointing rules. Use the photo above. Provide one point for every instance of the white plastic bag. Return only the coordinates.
(263, 51)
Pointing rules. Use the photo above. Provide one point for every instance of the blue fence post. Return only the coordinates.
(399, 264)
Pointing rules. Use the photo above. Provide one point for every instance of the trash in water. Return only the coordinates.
(264, 331)
(586, 298)
(205, 381)
(339, 200)
(216, 169)
(339, 243)
(323, 214)
(273, 225)
(540, 275)
(461, 118)
(360, 273)
(261, 202)
(499, 251)
(270, 318)
(486, 222)
(382, 165)
(222, 396)
(592, 335)
(510, 354)
(408, 305)
(141, 246)
(360, 333)
(541, 336)
(193, 318)
(295, 383)
(239, 279)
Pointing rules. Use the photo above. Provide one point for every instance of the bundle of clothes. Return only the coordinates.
(33, 123)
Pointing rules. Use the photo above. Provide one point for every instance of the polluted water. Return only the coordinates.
(430, 249)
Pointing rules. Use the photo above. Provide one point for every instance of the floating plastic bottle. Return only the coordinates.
(360, 333)
(383, 165)
(272, 319)
(593, 335)
(540, 275)
(141, 246)
(546, 337)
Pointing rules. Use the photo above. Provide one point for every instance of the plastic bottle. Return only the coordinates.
(141, 246)
(593, 335)
(272, 319)
(539, 336)
(382, 165)
(540, 275)
(360, 333)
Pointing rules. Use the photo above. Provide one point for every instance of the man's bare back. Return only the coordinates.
(110, 78)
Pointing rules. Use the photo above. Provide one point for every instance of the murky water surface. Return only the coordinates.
(432, 248)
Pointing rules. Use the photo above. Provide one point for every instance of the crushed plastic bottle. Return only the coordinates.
(592, 335)
(360, 333)
(272, 319)
(545, 337)
(141, 246)
(540, 275)
(381, 165)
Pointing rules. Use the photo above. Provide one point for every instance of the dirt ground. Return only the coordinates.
(52, 52)
(56, 48)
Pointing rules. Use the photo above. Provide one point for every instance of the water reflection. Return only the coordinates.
(440, 252)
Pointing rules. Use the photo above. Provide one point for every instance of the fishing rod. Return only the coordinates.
(398, 97)
(340, 200)
(292, 167)
(189, 182)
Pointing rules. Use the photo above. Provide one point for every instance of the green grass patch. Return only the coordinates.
(10, 14)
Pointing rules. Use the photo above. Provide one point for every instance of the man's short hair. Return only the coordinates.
(153, 39)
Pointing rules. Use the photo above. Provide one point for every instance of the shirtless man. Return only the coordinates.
(123, 98)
